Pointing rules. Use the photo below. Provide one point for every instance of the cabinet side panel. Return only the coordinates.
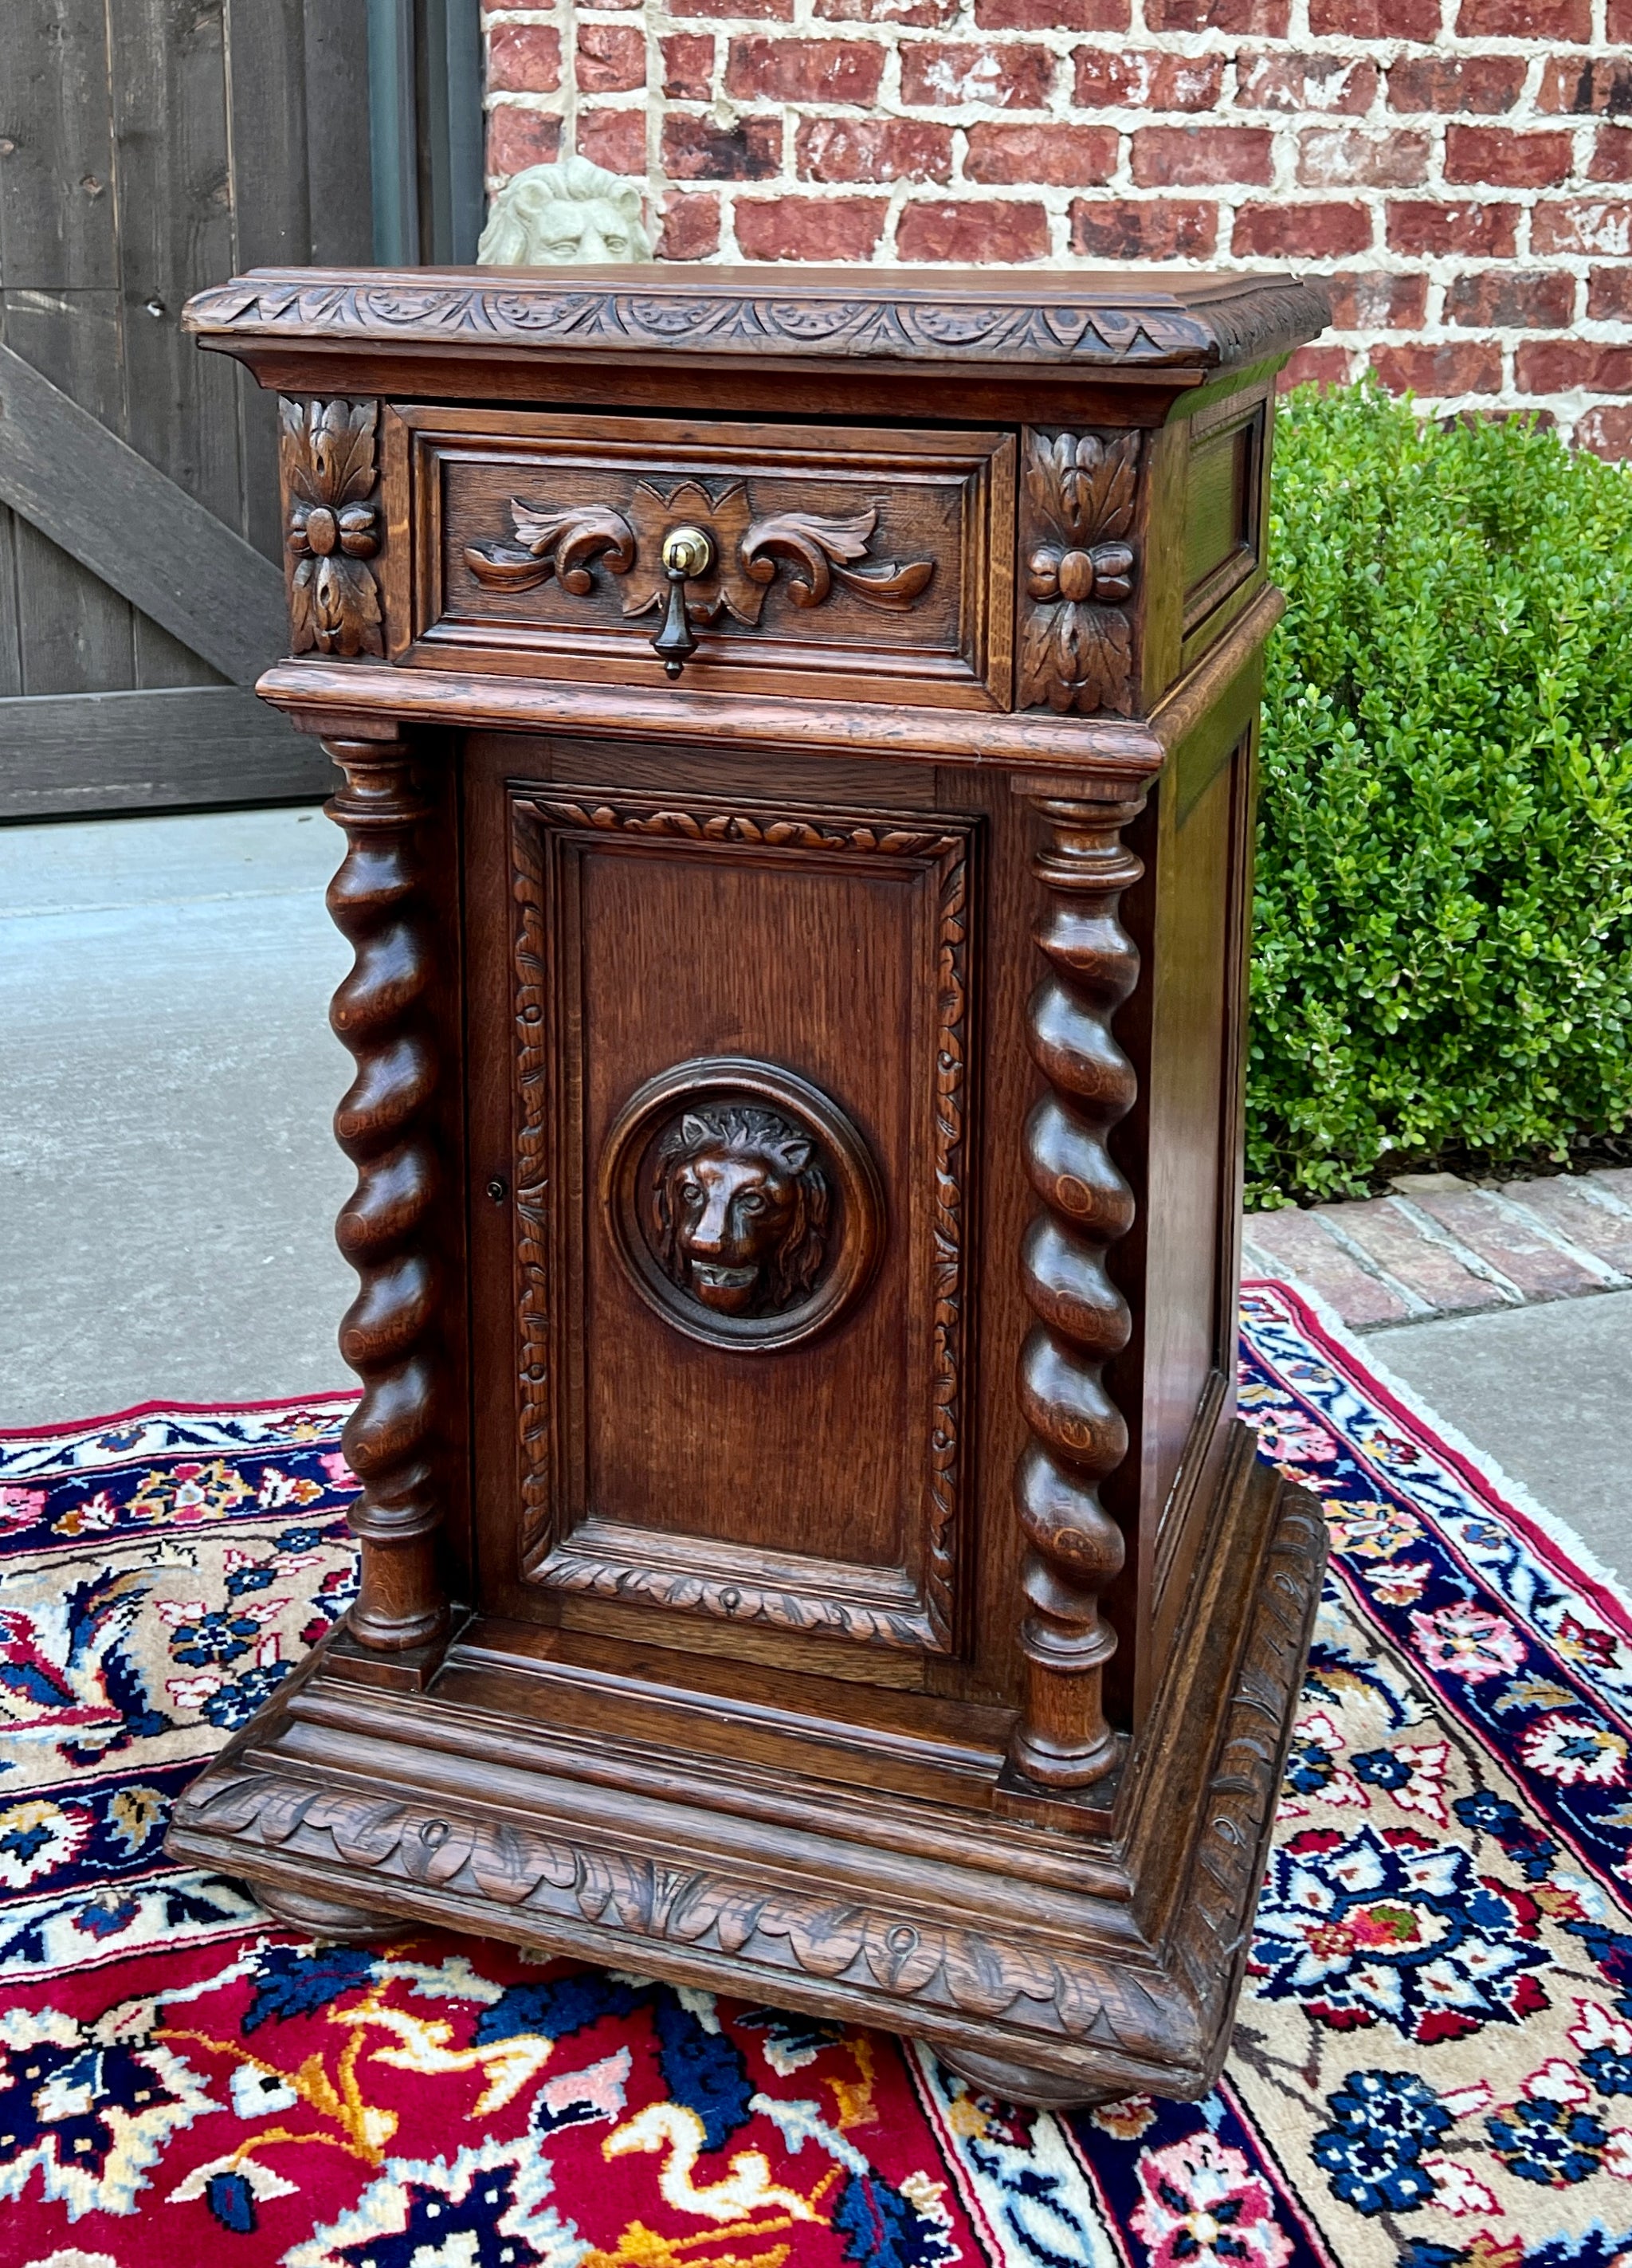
(1194, 1160)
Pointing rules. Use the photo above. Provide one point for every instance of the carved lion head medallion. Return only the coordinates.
(742, 1201)
(739, 1205)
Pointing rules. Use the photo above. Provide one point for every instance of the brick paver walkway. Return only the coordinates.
(1437, 1246)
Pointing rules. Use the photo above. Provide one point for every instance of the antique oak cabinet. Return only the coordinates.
(797, 731)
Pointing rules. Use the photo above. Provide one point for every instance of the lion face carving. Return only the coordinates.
(740, 1209)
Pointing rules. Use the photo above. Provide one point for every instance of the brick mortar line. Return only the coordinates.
(1418, 1309)
(1610, 1277)
(1436, 1233)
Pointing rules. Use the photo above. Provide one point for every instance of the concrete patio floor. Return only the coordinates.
(167, 1175)
(168, 1180)
(1546, 1393)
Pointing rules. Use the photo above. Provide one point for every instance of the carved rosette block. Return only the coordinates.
(387, 1336)
(1078, 503)
(1078, 1435)
(330, 477)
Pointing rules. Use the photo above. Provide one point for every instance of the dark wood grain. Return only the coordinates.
(723, 1161)
(726, 1501)
(1225, 513)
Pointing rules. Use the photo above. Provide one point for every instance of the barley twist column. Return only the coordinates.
(383, 1125)
(1078, 1436)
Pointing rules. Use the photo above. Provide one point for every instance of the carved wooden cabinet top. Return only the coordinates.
(1002, 316)
(723, 500)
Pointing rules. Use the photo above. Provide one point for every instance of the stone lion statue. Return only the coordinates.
(567, 213)
(740, 1209)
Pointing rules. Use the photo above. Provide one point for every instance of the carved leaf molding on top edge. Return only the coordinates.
(333, 530)
(748, 553)
(865, 326)
(1079, 498)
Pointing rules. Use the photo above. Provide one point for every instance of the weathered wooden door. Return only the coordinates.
(148, 148)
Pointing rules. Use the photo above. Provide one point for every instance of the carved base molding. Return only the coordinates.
(1019, 1951)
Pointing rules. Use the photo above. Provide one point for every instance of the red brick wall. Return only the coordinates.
(1460, 168)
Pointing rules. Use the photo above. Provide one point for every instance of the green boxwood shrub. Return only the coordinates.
(1443, 967)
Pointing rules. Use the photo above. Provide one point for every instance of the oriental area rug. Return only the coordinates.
(1433, 2064)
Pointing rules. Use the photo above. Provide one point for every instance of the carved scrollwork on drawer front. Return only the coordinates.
(750, 550)
(824, 563)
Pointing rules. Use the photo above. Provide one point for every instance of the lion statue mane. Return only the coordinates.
(572, 212)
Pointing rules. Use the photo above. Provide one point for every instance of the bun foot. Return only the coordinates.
(327, 1916)
(1019, 2082)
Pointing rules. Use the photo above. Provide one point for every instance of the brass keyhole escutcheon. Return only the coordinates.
(687, 553)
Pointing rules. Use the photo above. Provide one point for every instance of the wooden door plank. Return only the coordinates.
(272, 210)
(11, 643)
(118, 515)
(175, 230)
(338, 156)
(267, 95)
(81, 753)
(75, 632)
(56, 190)
(60, 311)
(153, 146)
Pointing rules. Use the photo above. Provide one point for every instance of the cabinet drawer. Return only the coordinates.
(846, 563)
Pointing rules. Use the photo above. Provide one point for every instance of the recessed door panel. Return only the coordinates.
(740, 1127)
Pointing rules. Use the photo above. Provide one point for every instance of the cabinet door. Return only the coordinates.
(723, 1046)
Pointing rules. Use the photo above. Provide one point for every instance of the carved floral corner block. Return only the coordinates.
(330, 476)
(1078, 503)
(749, 550)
